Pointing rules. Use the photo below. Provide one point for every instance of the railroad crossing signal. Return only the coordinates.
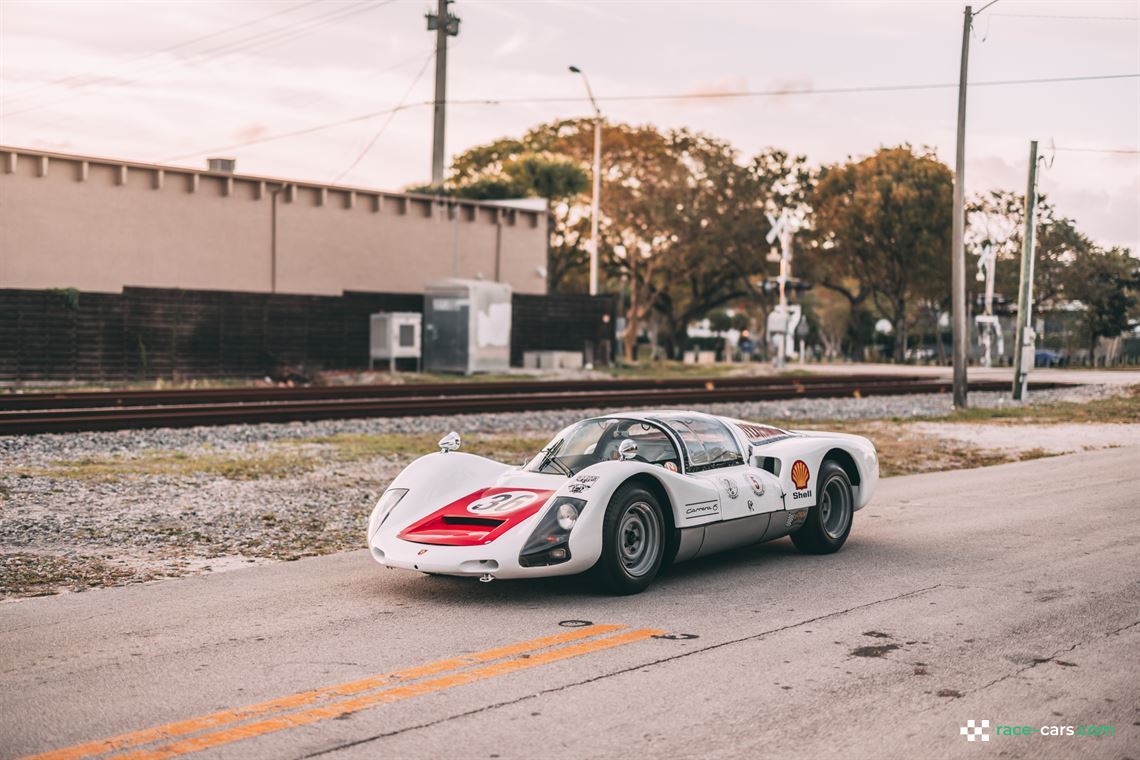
(782, 229)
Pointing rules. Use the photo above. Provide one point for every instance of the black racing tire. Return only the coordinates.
(829, 522)
(633, 541)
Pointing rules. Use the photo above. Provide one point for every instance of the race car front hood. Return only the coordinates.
(479, 517)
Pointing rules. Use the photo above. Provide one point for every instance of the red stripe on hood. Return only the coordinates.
(458, 524)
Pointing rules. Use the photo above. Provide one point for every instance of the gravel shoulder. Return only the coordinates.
(94, 509)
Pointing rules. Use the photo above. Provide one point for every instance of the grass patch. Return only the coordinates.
(905, 452)
(1117, 409)
(174, 464)
(349, 447)
(282, 461)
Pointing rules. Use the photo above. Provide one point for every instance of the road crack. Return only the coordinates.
(623, 671)
(1052, 658)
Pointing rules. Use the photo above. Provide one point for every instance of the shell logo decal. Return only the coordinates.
(800, 475)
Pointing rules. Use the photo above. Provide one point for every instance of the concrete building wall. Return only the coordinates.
(101, 225)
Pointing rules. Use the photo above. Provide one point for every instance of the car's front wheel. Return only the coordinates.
(633, 541)
(829, 522)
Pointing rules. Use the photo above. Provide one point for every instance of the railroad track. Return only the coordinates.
(252, 394)
(73, 412)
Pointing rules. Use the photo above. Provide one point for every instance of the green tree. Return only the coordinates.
(510, 168)
(1106, 282)
(681, 222)
(882, 232)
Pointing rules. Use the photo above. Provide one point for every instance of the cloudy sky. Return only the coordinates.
(174, 81)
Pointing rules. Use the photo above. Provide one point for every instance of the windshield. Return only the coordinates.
(597, 440)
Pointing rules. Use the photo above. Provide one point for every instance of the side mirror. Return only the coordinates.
(627, 449)
(449, 442)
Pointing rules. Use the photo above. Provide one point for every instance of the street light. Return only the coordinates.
(597, 183)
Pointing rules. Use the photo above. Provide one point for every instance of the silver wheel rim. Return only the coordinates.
(639, 536)
(835, 508)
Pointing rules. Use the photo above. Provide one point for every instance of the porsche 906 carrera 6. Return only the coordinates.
(622, 496)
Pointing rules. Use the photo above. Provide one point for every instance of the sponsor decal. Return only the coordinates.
(756, 483)
(750, 507)
(796, 518)
(421, 552)
(729, 486)
(801, 494)
(700, 510)
(502, 503)
(670, 466)
(800, 474)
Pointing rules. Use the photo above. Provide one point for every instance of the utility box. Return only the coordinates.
(467, 326)
(394, 335)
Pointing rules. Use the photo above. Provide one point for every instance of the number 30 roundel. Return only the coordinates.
(501, 503)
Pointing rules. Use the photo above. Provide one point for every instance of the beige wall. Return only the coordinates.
(100, 225)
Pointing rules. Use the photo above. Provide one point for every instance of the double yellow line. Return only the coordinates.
(197, 734)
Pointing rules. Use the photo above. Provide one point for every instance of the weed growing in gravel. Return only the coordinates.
(173, 464)
(40, 575)
(1124, 408)
(291, 457)
(350, 447)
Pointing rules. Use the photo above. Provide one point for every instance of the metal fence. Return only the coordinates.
(148, 333)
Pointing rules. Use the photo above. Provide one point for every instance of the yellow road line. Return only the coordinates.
(387, 696)
(301, 699)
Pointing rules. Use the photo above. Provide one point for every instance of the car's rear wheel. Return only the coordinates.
(829, 522)
(633, 541)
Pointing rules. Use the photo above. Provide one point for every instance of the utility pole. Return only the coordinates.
(958, 248)
(595, 200)
(444, 25)
(1023, 354)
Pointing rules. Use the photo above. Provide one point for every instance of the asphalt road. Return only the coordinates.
(1009, 594)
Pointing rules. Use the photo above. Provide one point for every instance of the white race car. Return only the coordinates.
(623, 496)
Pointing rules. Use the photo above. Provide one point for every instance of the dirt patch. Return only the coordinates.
(911, 448)
(27, 574)
(1026, 438)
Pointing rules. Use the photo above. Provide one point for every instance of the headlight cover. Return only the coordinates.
(548, 544)
(388, 501)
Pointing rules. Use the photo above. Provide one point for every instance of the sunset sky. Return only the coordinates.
(173, 82)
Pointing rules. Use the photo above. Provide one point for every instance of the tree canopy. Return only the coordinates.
(683, 225)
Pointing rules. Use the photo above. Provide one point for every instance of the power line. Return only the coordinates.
(619, 98)
(298, 132)
(1073, 18)
(64, 80)
(1099, 150)
(360, 156)
(257, 41)
(792, 91)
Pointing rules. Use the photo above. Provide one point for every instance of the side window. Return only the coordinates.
(708, 442)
